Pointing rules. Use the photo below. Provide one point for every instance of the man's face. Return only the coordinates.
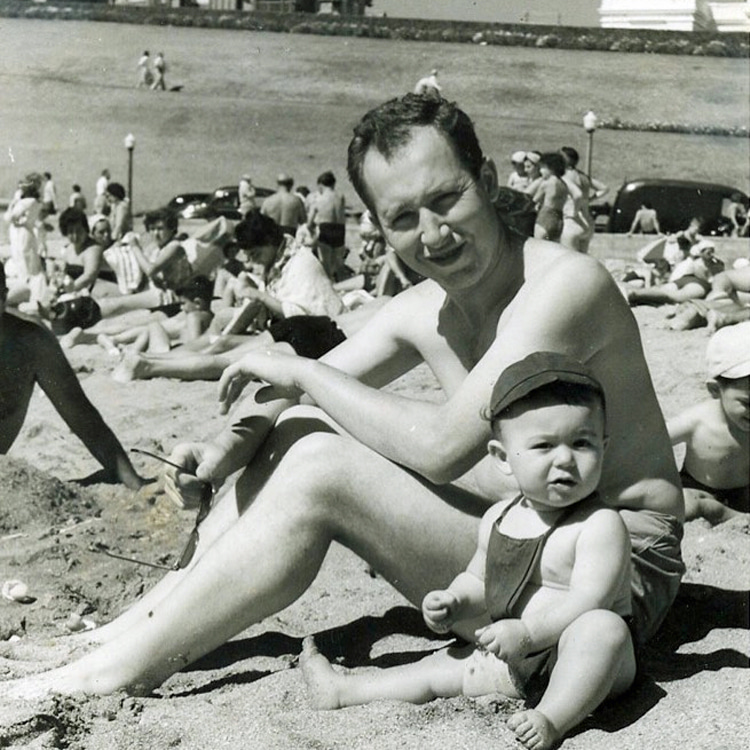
(435, 215)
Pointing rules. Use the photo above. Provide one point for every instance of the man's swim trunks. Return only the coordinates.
(734, 497)
(656, 568)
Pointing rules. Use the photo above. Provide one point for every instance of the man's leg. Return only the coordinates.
(595, 661)
(326, 488)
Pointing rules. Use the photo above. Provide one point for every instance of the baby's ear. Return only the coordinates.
(496, 449)
(713, 388)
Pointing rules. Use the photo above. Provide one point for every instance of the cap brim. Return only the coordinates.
(737, 371)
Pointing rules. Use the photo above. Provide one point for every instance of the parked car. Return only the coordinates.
(190, 205)
(225, 201)
(676, 202)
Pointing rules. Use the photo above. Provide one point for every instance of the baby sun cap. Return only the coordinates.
(534, 371)
(728, 352)
(518, 157)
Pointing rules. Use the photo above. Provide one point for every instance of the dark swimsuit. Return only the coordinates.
(737, 498)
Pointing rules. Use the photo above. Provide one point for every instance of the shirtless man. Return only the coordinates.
(384, 487)
(29, 354)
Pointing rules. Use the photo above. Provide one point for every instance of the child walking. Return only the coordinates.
(716, 432)
(550, 577)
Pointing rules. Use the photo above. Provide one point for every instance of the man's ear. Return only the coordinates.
(713, 388)
(488, 178)
(496, 449)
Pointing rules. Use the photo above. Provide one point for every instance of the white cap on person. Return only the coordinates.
(728, 352)
(518, 157)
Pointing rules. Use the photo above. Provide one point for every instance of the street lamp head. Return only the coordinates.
(590, 122)
(129, 141)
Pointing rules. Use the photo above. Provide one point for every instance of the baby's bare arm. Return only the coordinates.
(602, 560)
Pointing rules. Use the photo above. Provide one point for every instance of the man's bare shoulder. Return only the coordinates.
(548, 260)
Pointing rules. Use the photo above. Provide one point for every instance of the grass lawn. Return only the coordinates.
(264, 103)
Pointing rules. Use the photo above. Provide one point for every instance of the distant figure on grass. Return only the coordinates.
(428, 84)
(645, 221)
(550, 566)
(49, 196)
(550, 197)
(77, 199)
(101, 206)
(145, 75)
(30, 355)
(716, 471)
(327, 216)
(518, 179)
(286, 208)
(160, 67)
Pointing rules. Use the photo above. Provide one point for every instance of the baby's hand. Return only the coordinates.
(439, 609)
(509, 640)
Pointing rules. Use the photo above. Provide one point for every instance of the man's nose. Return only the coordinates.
(434, 231)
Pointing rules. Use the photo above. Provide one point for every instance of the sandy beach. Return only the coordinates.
(693, 693)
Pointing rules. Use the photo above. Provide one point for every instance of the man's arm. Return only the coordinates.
(57, 379)
(443, 441)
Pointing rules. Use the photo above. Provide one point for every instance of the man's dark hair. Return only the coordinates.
(257, 229)
(328, 179)
(170, 218)
(3, 282)
(388, 128)
(554, 161)
(199, 287)
(571, 155)
(116, 190)
(71, 218)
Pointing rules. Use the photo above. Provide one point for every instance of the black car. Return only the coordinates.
(676, 202)
(190, 205)
(225, 201)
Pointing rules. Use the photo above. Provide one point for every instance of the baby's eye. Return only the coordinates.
(541, 446)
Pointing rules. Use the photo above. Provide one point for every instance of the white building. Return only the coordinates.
(676, 15)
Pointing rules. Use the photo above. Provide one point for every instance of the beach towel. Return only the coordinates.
(122, 261)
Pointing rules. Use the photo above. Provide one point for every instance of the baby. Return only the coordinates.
(550, 578)
(716, 432)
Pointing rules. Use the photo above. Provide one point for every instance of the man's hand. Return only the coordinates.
(509, 640)
(275, 367)
(202, 462)
(440, 610)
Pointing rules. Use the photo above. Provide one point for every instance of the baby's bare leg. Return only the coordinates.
(439, 675)
(595, 661)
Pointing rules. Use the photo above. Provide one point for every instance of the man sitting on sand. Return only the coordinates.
(376, 470)
(29, 354)
(549, 562)
(716, 432)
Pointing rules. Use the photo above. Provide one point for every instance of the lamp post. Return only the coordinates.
(130, 146)
(589, 125)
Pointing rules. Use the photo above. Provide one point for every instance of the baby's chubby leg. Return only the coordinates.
(439, 675)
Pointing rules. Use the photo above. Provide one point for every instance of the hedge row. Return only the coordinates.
(674, 127)
(563, 37)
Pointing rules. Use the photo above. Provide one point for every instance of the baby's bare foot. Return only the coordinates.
(320, 677)
(534, 730)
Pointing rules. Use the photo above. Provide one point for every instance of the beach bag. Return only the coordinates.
(80, 312)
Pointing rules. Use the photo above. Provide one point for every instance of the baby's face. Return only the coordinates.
(734, 396)
(555, 452)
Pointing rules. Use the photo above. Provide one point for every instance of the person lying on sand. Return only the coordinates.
(549, 563)
(30, 355)
(382, 473)
(716, 432)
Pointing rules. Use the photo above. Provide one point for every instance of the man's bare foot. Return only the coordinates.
(320, 677)
(534, 730)
(132, 367)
